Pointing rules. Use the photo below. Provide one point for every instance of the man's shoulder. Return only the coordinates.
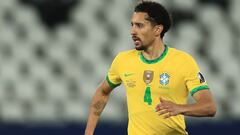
(128, 53)
(180, 54)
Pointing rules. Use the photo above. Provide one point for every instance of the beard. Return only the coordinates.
(140, 47)
(138, 43)
(143, 46)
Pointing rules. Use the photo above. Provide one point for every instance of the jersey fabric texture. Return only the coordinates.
(172, 76)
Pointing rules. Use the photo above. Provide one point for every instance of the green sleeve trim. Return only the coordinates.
(112, 85)
(193, 91)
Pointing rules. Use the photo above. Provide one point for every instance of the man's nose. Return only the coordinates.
(133, 31)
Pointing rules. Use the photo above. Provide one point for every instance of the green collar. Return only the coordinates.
(155, 60)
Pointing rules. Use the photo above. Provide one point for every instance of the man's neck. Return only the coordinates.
(154, 51)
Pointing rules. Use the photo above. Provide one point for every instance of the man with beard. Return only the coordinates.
(157, 78)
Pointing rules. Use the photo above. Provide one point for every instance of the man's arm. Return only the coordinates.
(98, 103)
(204, 106)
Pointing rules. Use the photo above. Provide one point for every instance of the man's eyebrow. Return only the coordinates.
(137, 23)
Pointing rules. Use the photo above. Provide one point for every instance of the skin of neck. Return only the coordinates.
(154, 50)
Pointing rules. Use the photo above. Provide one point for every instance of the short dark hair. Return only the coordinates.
(157, 14)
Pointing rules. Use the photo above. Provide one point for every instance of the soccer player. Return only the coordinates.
(157, 79)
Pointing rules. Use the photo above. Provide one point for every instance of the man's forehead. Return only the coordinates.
(139, 16)
(142, 15)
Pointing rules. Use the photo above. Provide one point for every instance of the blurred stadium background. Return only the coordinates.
(54, 53)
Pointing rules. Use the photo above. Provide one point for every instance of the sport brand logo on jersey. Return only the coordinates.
(201, 78)
(148, 76)
(164, 79)
(128, 74)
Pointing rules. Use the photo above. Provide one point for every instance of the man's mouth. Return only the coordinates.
(136, 40)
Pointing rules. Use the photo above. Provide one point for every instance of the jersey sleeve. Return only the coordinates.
(194, 79)
(113, 77)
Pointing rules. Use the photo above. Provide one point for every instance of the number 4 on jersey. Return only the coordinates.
(147, 96)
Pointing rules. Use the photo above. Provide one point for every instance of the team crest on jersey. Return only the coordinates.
(201, 77)
(164, 79)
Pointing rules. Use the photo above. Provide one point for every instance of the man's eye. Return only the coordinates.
(140, 25)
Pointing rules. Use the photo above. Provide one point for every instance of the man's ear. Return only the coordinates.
(158, 30)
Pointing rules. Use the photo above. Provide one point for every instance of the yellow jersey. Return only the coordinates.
(172, 76)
